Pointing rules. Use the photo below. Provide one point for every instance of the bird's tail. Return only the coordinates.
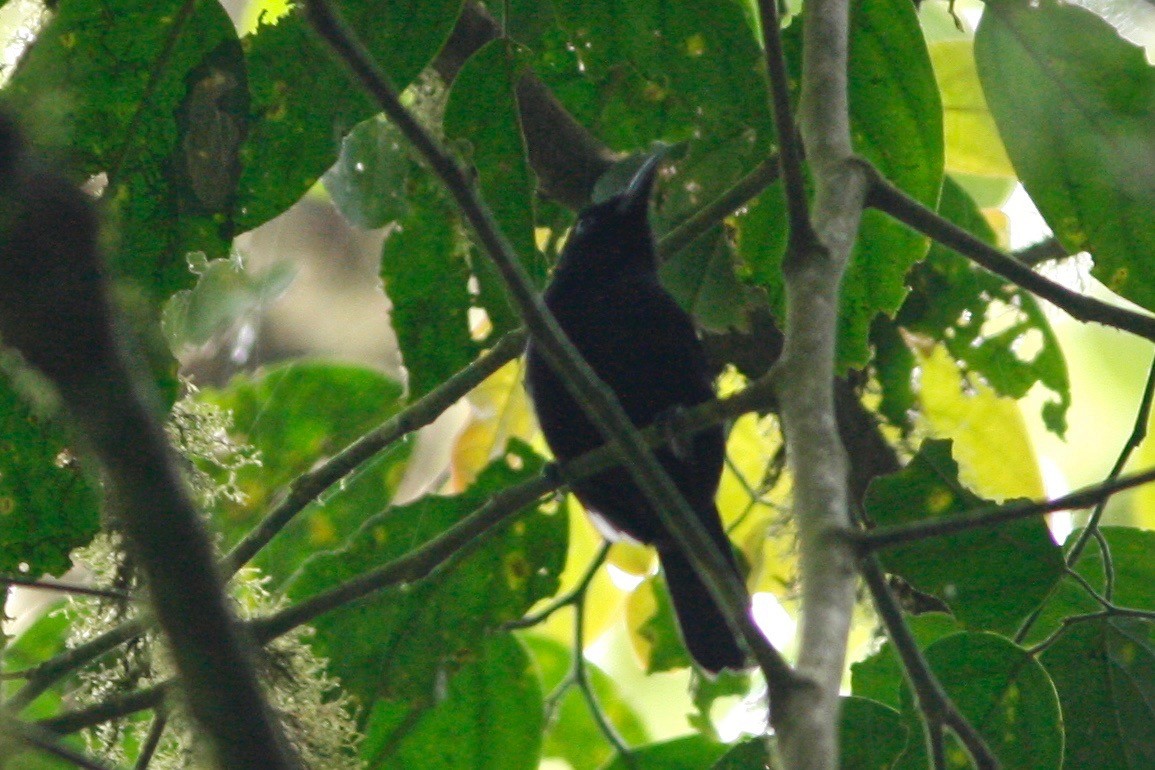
(704, 631)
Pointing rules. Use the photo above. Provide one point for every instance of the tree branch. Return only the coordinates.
(55, 309)
(887, 198)
(804, 376)
(992, 515)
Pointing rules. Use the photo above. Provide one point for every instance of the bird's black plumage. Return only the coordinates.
(607, 298)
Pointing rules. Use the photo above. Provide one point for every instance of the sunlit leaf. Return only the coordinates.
(1075, 104)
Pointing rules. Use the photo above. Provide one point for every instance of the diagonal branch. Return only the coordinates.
(992, 515)
(887, 198)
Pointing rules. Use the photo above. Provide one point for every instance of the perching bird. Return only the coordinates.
(607, 298)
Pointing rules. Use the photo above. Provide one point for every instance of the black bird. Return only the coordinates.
(607, 298)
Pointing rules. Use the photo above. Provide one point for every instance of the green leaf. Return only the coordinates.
(482, 114)
(701, 278)
(662, 73)
(489, 717)
(43, 639)
(572, 734)
(1104, 671)
(367, 183)
(995, 328)
(1003, 692)
(894, 366)
(969, 571)
(896, 123)
(392, 649)
(667, 652)
(879, 677)
(157, 98)
(304, 99)
(48, 505)
(871, 735)
(296, 414)
(690, 753)
(426, 278)
(1075, 105)
(749, 754)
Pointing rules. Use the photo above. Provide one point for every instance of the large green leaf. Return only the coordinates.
(871, 735)
(489, 717)
(995, 328)
(896, 123)
(427, 280)
(1003, 692)
(1075, 104)
(155, 95)
(304, 100)
(48, 506)
(1104, 671)
(689, 753)
(295, 415)
(970, 571)
(367, 183)
(391, 650)
(655, 71)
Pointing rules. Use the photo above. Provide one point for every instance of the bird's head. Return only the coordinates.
(614, 235)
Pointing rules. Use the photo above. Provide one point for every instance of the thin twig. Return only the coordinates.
(569, 598)
(1138, 433)
(45, 674)
(578, 674)
(790, 156)
(597, 400)
(151, 741)
(114, 707)
(67, 588)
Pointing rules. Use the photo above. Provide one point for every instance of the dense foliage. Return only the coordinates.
(191, 134)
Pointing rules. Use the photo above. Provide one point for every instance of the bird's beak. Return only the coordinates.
(636, 196)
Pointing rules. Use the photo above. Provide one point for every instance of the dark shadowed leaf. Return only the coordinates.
(48, 505)
(969, 571)
(1100, 667)
(489, 716)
